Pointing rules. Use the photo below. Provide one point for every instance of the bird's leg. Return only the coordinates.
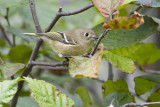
(86, 55)
(66, 57)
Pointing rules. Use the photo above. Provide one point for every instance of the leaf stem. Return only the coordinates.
(141, 105)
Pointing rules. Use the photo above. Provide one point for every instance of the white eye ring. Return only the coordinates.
(86, 34)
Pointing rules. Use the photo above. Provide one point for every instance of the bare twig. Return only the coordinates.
(137, 9)
(53, 64)
(54, 68)
(5, 35)
(60, 13)
(7, 19)
(152, 71)
(98, 41)
(34, 15)
(7, 16)
(141, 105)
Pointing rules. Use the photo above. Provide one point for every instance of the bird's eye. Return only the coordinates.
(86, 34)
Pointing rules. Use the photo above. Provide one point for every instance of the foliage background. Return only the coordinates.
(21, 21)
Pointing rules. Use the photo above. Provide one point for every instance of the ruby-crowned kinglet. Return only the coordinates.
(69, 43)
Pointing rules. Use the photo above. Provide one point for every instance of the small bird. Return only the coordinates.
(69, 43)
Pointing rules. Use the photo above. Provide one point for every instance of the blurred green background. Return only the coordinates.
(21, 21)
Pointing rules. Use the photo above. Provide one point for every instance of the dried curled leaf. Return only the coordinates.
(126, 22)
(107, 7)
(86, 67)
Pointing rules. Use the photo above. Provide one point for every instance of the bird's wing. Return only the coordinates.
(59, 36)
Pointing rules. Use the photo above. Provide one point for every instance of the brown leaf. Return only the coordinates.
(126, 22)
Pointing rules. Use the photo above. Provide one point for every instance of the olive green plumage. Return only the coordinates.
(69, 43)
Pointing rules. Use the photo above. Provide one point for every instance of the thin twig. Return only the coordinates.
(137, 9)
(53, 64)
(98, 41)
(7, 16)
(7, 19)
(141, 105)
(60, 13)
(5, 35)
(152, 71)
(54, 68)
(34, 15)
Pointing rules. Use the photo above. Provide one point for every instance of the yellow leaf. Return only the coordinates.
(86, 67)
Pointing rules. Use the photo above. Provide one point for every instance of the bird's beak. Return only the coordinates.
(95, 37)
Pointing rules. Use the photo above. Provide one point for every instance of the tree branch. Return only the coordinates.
(60, 13)
(98, 41)
(141, 105)
(34, 15)
(33, 56)
(54, 68)
(52, 64)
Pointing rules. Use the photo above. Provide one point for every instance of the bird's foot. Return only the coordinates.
(66, 57)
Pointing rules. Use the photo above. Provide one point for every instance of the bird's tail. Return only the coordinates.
(33, 34)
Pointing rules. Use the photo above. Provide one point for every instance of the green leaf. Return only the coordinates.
(157, 21)
(125, 3)
(7, 90)
(148, 3)
(85, 67)
(118, 38)
(117, 86)
(82, 92)
(143, 85)
(98, 29)
(147, 54)
(20, 53)
(154, 97)
(143, 53)
(2, 43)
(127, 52)
(124, 64)
(8, 70)
(117, 99)
(151, 77)
(47, 95)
